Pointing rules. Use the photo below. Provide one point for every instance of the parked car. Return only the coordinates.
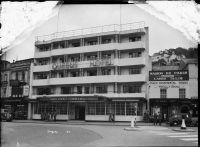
(6, 115)
(176, 120)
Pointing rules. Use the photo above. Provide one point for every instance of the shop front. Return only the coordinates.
(170, 106)
(17, 106)
(89, 108)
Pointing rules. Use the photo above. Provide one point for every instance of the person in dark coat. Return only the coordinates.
(159, 118)
(54, 116)
(155, 116)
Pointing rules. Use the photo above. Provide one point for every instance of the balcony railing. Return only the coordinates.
(139, 26)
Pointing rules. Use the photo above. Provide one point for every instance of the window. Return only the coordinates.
(92, 73)
(75, 74)
(61, 74)
(66, 90)
(182, 93)
(106, 71)
(87, 90)
(163, 93)
(92, 42)
(76, 44)
(60, 108)
(134, 71)
(79, 89)
(45, 91)
(135, 54)
(41, 76)
(106, 41)
(133, 39)
(120, 108)
(131, 89)
(106, 56)
(101, 89)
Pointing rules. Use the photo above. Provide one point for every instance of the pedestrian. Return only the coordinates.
(55, 114)
(159, 118)
(155, 116)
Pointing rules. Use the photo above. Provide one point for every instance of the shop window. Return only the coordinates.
(100, 108)
(91, 109)
(163, 93)
(110, 108)
(182, 93)
(131, 108)
(120, 108)
(134, 71)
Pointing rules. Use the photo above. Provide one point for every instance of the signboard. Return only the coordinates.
(175, 75)
(25, 90)
(169, 84)
(69, 99)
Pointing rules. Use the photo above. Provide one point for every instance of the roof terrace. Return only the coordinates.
(138, 26)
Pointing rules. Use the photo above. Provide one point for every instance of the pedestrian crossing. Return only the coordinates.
(179, 135)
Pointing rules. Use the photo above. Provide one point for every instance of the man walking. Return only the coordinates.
(159, 118)
(155, 116)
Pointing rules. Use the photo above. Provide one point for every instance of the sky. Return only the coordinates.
(171, 24)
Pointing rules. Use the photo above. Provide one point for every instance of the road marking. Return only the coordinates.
(67, 131)
(196, 142)
(189, 139)
(49, 131)
(185, 136)
(172, 133)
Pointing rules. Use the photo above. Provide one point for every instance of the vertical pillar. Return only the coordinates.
(116, 38)
(29, 111)
(115, 87)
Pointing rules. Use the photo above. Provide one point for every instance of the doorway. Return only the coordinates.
(80, 111)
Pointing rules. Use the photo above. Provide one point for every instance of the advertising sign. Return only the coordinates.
(26, 90)
(175, 75)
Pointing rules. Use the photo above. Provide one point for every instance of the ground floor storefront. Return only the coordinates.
(89, 109)
(18, 107)
(171, 106)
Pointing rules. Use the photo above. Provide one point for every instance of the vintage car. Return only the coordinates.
(6, 115)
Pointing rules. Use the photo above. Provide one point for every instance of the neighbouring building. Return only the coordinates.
(15, 87)
(89, 73)
(173, 89)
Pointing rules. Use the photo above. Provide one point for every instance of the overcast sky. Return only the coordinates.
(164, 31)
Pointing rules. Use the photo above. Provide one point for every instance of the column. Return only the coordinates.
(115, 87)
(29, 111)
(116, 38)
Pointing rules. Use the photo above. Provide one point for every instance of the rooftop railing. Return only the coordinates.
(92, 30)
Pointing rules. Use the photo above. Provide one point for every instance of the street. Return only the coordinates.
(62, 135)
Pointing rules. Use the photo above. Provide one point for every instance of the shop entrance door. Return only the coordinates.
(80, 111)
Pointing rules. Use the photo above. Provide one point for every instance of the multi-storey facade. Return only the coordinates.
(174, 90)
(88, 75)
(15, 87)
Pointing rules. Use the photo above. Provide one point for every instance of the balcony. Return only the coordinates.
(130, 61)
(40, 68)
(109, 95)
(40, 82)
(42, 54)
(131, 45)
(98, 79)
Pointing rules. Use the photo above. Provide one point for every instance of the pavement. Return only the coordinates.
(77, 122)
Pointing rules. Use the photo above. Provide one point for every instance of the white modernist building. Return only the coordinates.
(88, 74)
